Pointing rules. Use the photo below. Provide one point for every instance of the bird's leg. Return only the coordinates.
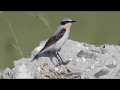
(59, 57)
(61, 60)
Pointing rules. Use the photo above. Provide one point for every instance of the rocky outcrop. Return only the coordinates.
(85, 62)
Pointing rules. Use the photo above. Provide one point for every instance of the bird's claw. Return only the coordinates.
(63, 63)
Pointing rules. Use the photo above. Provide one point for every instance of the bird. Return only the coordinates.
(57, 39)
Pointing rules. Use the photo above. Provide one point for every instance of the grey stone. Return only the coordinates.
(100, 73)
(111, 66)
(85, 61)
(86, 54)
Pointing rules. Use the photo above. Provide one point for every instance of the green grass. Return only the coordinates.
(18, 46)
(41, 16)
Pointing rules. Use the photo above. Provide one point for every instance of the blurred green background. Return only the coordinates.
(92, 27)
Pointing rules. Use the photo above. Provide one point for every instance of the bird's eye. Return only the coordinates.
(63, 23)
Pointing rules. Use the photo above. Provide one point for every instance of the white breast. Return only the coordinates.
(62, 41)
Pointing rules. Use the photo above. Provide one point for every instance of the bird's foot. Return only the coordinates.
(63, 63)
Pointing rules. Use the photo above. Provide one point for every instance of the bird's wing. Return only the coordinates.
(54, 39)
(58, 29)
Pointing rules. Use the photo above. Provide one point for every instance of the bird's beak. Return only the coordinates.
(73, 21)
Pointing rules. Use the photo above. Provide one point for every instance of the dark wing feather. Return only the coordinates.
(54, 39)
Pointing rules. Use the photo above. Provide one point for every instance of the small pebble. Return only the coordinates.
(84, 60)
(70, 59)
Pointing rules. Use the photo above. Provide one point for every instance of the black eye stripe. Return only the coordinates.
(64, 22)
(67, 21)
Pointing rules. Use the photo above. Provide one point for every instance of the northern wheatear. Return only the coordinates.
(58, 38)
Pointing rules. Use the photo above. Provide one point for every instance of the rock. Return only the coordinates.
(84, 62)
(100, 73)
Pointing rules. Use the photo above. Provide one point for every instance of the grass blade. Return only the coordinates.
(44, 18)
(14, 37)
(14, 45)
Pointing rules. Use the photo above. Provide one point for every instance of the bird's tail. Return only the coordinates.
(36, 56)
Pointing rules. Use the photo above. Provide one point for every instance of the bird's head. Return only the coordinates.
(66, 22)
